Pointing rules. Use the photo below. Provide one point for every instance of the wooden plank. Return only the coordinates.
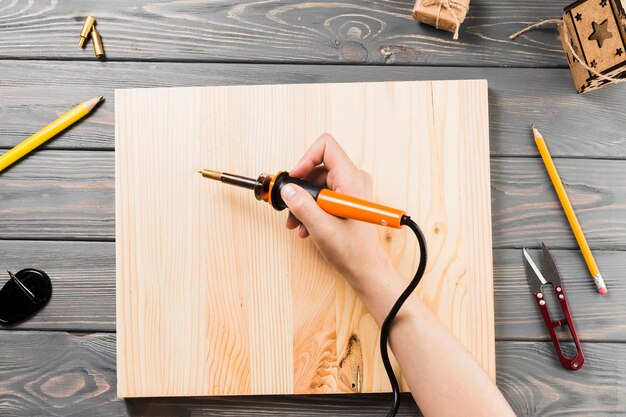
(189, 269)
(84, 291)
(59, 195)
(597, 318)
(353, 31)
(526, 209)
(75, 375)
(70, 194)
(535, 384)
(33, 93)
(83, 282)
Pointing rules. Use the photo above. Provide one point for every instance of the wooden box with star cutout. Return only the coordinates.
(595, 31)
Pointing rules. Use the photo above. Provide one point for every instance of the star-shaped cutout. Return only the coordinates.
(619, 52)
(579, 17)
(603, 3)
(600, 32)
(593, 64)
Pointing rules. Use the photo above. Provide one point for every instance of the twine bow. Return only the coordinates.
(567, 41)
(449, 5)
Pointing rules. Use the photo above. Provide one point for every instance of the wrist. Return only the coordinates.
(379, 285)
(372, 270)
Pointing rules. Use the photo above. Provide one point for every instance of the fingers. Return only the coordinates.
(317, 176)
(324, 150)
(292, 222)
(303, 231)
(306, 210)
(359, 184)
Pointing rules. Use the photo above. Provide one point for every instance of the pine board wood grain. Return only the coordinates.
(60, 374)
(32, 93)
(354, 31)
(70, 195)
(83, 275)
(215, 297)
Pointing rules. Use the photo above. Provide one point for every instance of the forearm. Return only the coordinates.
(444, 378)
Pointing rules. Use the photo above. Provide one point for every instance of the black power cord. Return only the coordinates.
(384, 330)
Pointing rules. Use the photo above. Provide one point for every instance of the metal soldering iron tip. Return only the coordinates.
(214, 175)
(231, 179)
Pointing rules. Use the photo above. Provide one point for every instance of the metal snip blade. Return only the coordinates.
(535, 279)
(549, 266)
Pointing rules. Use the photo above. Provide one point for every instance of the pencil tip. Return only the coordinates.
(536, 132)
(90, 104)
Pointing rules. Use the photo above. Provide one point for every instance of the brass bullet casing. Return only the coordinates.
(98, 49)
(89, 21)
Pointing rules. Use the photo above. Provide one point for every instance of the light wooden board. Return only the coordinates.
(215, 297)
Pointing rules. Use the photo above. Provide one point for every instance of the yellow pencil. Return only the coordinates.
(569, 212)
(48, 132)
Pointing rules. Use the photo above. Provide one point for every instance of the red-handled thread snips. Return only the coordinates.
(550, 275)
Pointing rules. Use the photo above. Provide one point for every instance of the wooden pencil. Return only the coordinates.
(569, 212)
(47, 133)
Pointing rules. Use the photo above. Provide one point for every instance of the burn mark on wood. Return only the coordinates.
(351, 364)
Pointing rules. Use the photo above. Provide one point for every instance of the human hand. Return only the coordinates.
(351, 246)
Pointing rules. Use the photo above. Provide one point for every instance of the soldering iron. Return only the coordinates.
(268, 187)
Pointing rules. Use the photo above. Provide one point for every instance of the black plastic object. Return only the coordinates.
(22, 299)
(283, 179)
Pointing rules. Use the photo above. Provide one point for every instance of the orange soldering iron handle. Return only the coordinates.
(348, 207)
(337, 204)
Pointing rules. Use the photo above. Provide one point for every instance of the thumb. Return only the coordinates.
(304, 207)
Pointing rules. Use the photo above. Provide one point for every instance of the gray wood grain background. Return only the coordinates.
(57, 205)
(352, 31)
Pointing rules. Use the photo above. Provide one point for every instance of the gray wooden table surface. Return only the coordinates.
(57, 206)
